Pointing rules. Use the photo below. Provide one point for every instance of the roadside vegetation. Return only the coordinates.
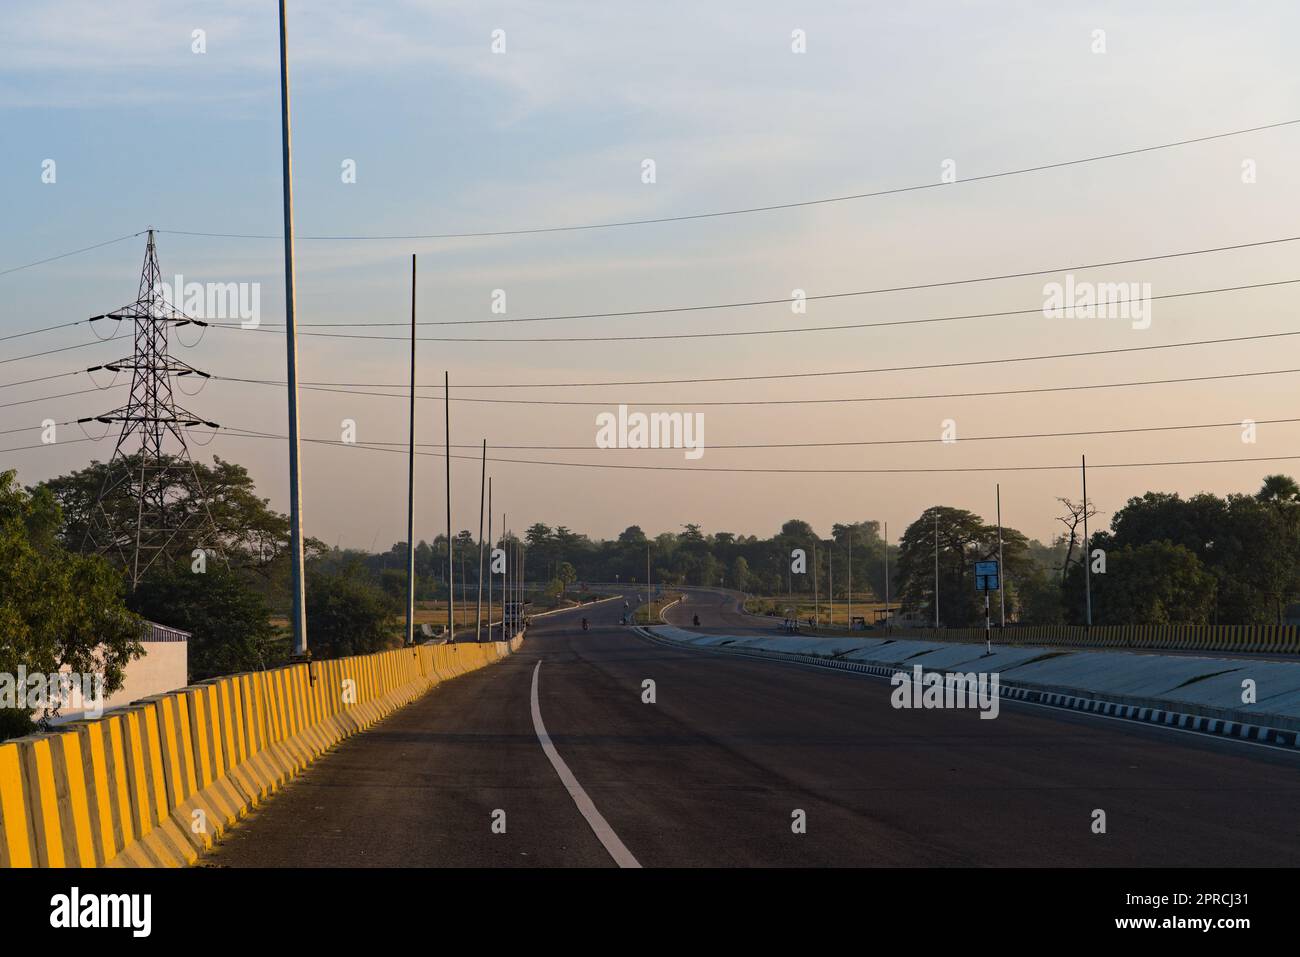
(1204, 559)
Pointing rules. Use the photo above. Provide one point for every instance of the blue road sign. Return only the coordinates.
(986, 576)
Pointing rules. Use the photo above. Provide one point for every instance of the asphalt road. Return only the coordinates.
(720, 613)
(712, 772)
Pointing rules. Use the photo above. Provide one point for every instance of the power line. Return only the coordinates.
(834, 401)
(74, 252)
(1012, 436)
(796, 375)
(238, 433)
(758, 209)
(32, 332)
(855, 443)
(50, 352)
(827, 296)
(44, 378)
(271, 327)
(784, 330)
(35, 428)
(248, 434)
(45, 445)
(61, 395)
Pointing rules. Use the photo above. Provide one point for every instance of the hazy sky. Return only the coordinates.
(448, 136)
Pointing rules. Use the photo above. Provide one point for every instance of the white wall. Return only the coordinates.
(163, 667)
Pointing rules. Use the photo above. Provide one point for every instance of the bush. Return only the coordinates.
(348, 614)
(15, 724)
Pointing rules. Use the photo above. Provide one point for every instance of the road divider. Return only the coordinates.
(155, 784)
(1243, 699)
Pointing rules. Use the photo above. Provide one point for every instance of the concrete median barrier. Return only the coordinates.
(155, 784)
(1242, 698)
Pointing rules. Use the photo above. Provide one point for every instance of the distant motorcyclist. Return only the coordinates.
(697, 621)
(584, 624)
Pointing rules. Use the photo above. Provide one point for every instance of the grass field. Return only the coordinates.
(828, 616)
(649, 614)
(435, 613)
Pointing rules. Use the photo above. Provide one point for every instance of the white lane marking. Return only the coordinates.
(604, 833)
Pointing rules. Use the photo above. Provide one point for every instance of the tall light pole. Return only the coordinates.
(850, 609)
(649, 599)
(291, 361)
(830, 582)
(410, 484)
(505, 575)
(478, 613)
(1087, 558)
(936, 571)
(817, 611)
(489, 559)
(451, 562)
(1002, 572)
(886, 574)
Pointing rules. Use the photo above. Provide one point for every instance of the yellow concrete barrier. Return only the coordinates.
(17, 842)
(157, 783)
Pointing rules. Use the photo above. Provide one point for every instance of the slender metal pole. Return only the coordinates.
(451, 567)
(817, 611)
(505, 577)
(936, 571)
(1087, 558)
(410, 485)
(886, 574)
(489, 577)
(649, 600)
(830, 583)
(478, 615)
(291, 360)
(1002, 571)
(850, 611)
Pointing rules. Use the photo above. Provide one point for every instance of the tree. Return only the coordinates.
(566, 574)
(738, 578)
(1156, 583)
(250, 534)
(347, 614)
(1249, 543)
(1073, 520)
(1038, 595)
(1279, 488)
(963, 539)
(56, 607)
(228, 620)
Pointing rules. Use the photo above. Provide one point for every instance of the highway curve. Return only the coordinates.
(712, 772)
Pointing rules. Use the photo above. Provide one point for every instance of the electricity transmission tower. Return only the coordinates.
(151, 501)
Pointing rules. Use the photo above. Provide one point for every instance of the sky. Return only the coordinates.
(448, 136)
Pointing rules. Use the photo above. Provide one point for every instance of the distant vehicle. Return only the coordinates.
(584, 624)
(697, 621)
